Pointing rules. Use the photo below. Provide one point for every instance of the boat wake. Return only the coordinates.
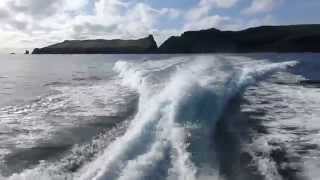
(169, 138)
(180, 104)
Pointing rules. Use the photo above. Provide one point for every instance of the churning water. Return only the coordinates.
(159, 117)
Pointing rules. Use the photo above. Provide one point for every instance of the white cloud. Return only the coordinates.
(261, 6)
(170, 12)
(162, 35)
(218, 3)
(35, 23)
(197, 13)
(75, 5)
(214, 21)
(205, 6)
(200, 17)
(109, 8)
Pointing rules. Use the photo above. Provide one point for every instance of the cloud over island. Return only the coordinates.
(30, 23)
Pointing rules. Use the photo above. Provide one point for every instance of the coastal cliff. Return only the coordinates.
(294, 38)
(100, 46)
(282, 39)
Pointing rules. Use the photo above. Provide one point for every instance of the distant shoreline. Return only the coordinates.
(264, 39)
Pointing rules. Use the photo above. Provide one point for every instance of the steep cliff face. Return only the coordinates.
(100, 46)
(295, 38)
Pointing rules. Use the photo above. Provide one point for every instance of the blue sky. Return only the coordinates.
(284, 12)
(35, 23)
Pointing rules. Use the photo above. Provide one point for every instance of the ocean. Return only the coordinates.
(159, 117)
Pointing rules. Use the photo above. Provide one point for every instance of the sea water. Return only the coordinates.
(159, 117)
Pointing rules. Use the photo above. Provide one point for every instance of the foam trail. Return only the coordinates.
(159, 126)
(174, 94)
(156, 117)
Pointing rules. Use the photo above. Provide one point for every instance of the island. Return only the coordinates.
(280, 39)
(101, 46)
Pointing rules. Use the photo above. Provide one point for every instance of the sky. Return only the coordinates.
(27, 24)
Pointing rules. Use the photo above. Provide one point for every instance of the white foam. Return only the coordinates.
(156, 129)
(172, 93)
(102, 99)
(291, 117)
